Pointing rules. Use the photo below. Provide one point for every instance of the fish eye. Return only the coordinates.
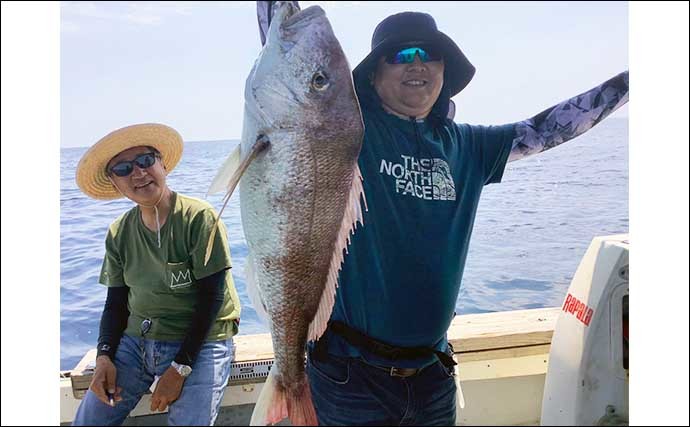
(319, 81)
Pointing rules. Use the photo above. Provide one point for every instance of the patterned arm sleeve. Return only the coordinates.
(569, 119)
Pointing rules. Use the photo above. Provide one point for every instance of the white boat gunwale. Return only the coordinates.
(488, 347)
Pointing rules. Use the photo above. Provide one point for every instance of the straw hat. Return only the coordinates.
(91, 177)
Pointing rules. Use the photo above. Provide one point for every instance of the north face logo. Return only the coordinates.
(182, 278)
(428, 179)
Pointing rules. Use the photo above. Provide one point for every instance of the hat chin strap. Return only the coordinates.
(158, 224)
(155, 208)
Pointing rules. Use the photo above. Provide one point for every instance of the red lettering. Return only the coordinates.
(582, 312)
(588, 318)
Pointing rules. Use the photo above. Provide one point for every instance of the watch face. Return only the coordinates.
(185, 370)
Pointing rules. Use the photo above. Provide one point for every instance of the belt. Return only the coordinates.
(398, 372)
(387, 351)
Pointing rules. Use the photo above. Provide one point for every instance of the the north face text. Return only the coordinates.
(428, 179)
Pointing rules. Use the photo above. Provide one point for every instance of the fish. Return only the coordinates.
(301, 193)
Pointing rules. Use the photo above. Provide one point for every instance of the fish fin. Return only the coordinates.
(253, 291)
(220, 182)
(271, 405)
(211, 238)
(301, 407)
(353, 214)
(261, 143)
(276, 403)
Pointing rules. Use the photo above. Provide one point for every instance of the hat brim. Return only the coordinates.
(91, 177)
(458, 69)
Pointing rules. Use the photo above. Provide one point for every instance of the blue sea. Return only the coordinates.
(529, 235)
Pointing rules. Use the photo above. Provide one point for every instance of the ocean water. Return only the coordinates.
(529, 236)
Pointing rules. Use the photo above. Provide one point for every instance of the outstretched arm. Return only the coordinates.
(569, 119)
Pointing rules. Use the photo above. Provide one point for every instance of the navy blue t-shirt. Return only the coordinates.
(401, 278)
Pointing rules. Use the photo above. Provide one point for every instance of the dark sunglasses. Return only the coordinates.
(126, 167)
(407, 55)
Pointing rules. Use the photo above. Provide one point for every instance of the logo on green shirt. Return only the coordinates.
(181, 278)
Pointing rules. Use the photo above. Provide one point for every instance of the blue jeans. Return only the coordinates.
(139, 360)
(349, 391)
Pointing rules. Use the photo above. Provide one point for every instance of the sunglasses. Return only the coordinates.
(126, 167)
(407, 55)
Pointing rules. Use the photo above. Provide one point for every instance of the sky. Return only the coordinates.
(575, 48)
(185, 63)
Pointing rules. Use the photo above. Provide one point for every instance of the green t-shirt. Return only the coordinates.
(163, 281)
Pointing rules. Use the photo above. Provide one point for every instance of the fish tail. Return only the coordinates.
(275, 403)
(301, 408)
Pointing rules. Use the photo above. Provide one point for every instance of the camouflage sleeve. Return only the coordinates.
(569, 119)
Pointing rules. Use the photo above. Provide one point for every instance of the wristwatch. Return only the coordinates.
(183, 370)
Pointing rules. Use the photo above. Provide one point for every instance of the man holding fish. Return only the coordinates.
(377, 352)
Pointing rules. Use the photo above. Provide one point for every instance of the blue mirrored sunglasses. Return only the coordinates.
(126, 167)
(407, 55)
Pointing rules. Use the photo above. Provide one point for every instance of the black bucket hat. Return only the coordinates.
(409, 28)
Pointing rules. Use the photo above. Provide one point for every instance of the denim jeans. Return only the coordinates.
(349, 391)
(139, 360)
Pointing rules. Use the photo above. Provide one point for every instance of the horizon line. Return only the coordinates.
(240, 139)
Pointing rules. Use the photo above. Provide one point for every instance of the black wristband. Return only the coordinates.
(105, 349)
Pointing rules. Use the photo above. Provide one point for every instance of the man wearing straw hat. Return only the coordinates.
(168, 316)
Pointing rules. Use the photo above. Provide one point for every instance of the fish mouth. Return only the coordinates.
(299, 18)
